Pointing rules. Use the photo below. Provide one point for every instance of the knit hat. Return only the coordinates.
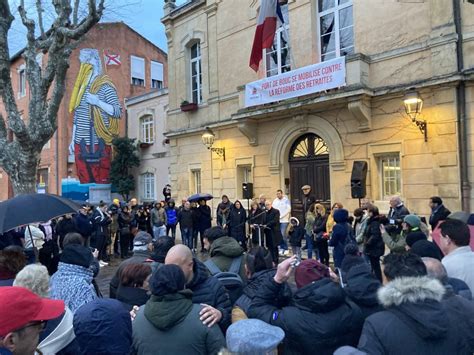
(161, 248)
(214, 233)
(352, 257)
(169, 279)
(253, 337)
(413, 237)
(412, 220)
(309, 271)
(459, 215)
(142, 238)
(425, 248)
(76, 254)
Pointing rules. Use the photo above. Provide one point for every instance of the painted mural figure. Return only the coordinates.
(97, 111)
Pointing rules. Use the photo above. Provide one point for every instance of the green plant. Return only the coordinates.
(125, 158)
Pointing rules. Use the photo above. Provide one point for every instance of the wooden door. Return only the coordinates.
(309, 165)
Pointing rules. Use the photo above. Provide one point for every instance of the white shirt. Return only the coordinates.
(460, 264)
(284, 207)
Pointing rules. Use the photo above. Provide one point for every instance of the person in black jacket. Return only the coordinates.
(320, 235)
(320, 317)
(124, 220)
(308, 200)
(100, 219)
(237, 218)
(272, 230)
(64, 226)
(83, 223)
(186, 224)
(255, 218)
(416, 319)
(134, 285)
(203, 220)
(207, 290)
(374, 246)
(395, 216)
(295, 234)
(438, 211)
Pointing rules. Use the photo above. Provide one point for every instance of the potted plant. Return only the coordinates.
(187, 106)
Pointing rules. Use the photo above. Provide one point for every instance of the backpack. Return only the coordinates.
(231, 279)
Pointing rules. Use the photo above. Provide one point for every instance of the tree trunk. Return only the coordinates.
(22, 171)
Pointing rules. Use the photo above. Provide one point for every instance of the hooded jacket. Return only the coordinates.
(170, 324)
(415, 321)
(320, 319)
(171, 213)
(207, 289)
(58, 336)
(339, 234)
(223, 251)
(237, 218)
(296, 233)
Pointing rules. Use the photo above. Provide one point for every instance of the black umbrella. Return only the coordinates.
(25, 209)
(198, 197)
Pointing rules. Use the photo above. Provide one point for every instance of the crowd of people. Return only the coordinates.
(263, 282)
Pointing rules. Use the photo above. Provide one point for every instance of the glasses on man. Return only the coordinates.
(39, 324)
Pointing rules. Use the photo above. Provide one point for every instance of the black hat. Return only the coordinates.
(214, 233)
(76, 254)
(426, 249)
(168, 279)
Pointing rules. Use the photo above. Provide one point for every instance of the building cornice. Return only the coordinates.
(146, 96)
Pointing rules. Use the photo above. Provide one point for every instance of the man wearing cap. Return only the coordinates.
(22, 317)
(308, 199)
(142, 249)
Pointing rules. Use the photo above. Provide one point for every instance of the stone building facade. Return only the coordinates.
(117, 46)
(146, 123)
(390, 49)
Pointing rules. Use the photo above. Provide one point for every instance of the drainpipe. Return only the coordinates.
(461, 113)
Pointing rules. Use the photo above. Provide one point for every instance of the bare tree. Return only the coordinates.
(20, 150)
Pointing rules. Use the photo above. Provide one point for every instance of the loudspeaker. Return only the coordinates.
(247, 190)
(358, 179)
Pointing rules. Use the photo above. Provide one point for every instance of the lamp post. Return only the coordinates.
(208, 140)
(413, 105)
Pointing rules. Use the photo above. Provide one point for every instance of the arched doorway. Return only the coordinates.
(309, 165)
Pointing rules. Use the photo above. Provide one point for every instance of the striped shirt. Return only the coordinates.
(83, 114)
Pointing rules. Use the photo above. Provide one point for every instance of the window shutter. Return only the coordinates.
(138, 67)
(156, 71)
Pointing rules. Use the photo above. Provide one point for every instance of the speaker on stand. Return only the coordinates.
(358, 179)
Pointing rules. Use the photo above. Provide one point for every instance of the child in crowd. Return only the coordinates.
(295, 234)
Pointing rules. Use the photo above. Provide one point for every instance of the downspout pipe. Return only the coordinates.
(461, 113)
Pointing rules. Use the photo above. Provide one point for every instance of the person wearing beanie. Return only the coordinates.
(72, 283)
(340, 232)
(104, 327)
(253, 337)
(319, 317)
(169, 323)
(424, 248)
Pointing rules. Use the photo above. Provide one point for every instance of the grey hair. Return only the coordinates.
(435, 269)
(34, 277)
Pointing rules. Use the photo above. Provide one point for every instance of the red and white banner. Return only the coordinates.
(303, 81)
(112, 58)
(265, 31)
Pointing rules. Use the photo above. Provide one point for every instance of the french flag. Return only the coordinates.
(265, 32)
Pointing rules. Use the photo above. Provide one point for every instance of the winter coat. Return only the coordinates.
(139, 257)
(100, 222)
(185, 218)
(203, 217)
(359, 228)
(58, 336)
(272, 220)
(339, 235)
(124, 221)
(310, 218)
(223, 251)
(396, 242)
(171, 214)
(170, 324)
(132, 296)
(65, 226)
(441, 213)
(158, 217)
(308, 200)
(207, 289)
(320, 224)
(143, 220)
(373, 242)
(35, 234)
(415, 321)
(72, 284)
(241, 306)
(396, 215)
(361, 287)
(222, 213)
(296, 235)
(84, 225)
(320, 319)
(237, 218)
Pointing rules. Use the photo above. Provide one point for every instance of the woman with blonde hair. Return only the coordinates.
(320, 235)
(330, 222)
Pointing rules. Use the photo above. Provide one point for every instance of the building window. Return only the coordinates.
(156, 75)
(42, 180)
(336, 28)
(390, 175)
(196, 75)
(147, 128)
(148, 186)
(22, 82)
(195, 181)
(278, 58)
(137, 71)
(244, 174)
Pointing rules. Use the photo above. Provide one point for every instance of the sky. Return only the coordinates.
(142, 15)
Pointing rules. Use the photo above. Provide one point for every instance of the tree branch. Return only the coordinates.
(39, 9)
(75, 12)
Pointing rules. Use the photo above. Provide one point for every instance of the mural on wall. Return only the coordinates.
(96, 110)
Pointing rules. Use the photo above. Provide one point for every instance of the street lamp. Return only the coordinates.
(413, 105)
(208, 140)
